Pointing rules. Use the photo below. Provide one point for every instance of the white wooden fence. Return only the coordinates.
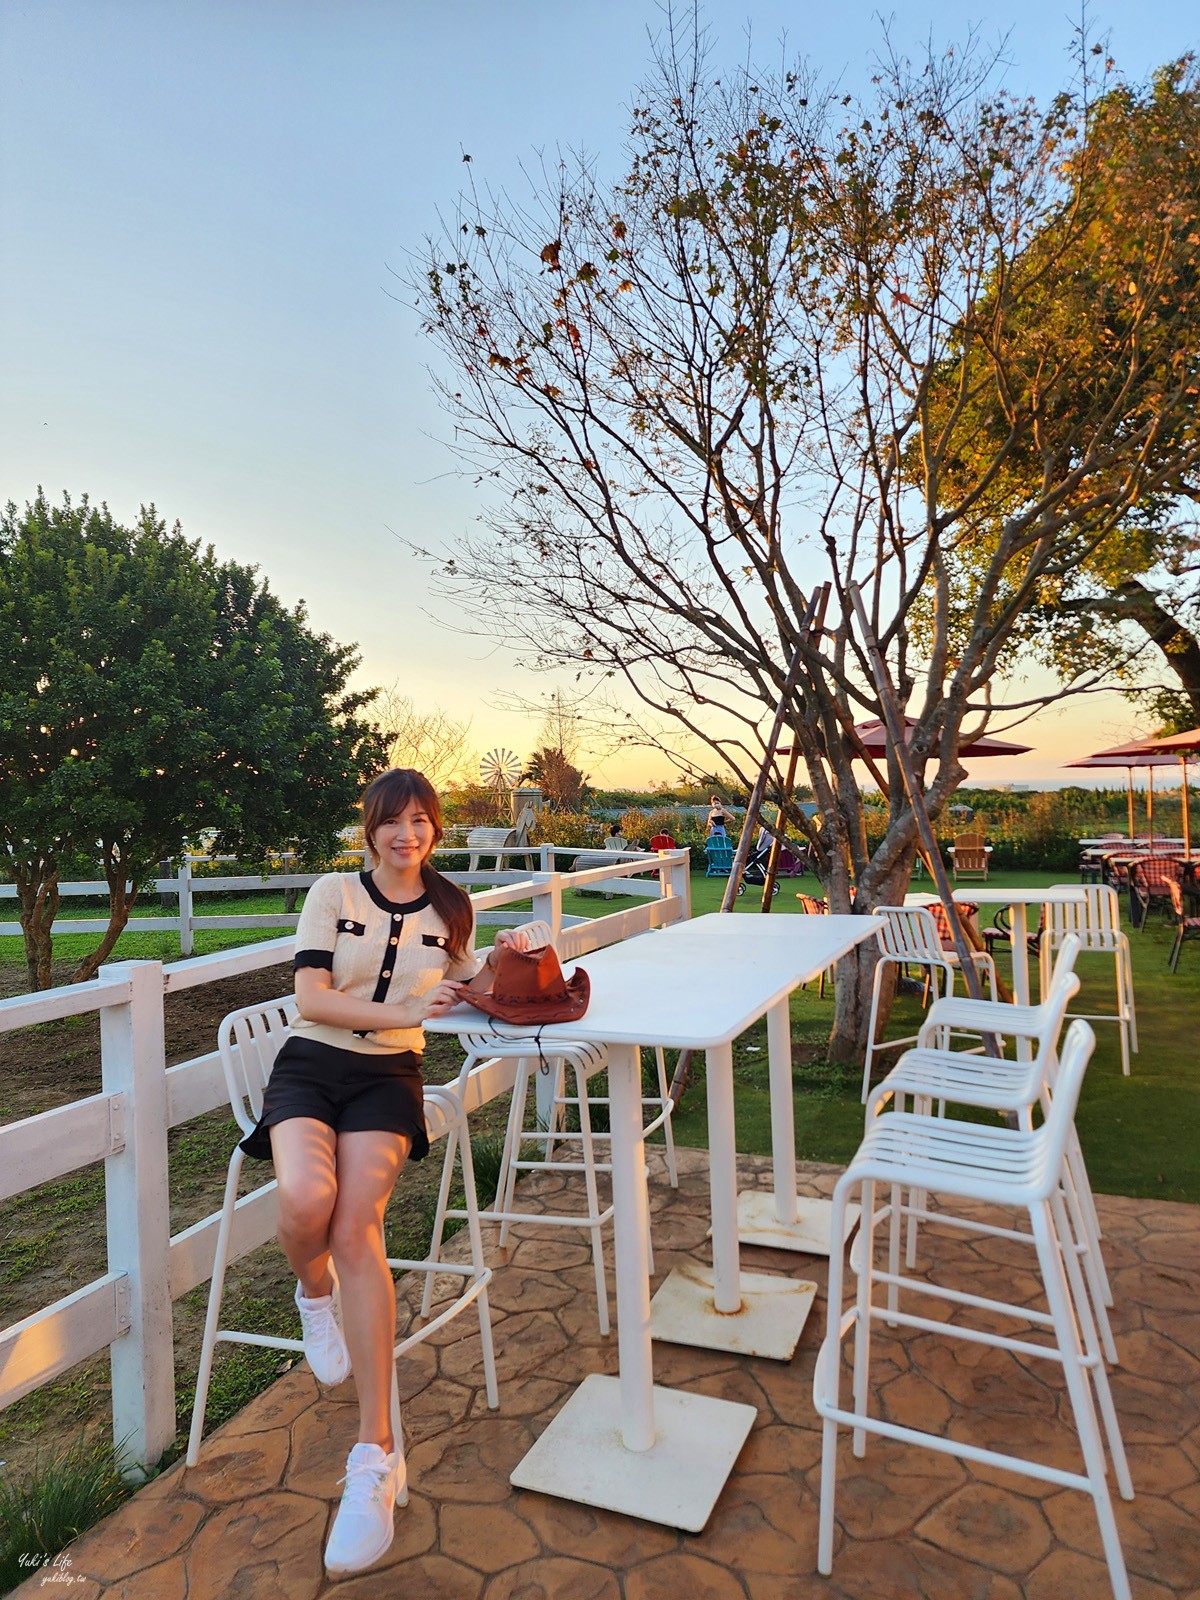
(185, 886)
(126, 1124)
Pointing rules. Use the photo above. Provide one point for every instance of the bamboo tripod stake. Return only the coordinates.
(916, 799)
(814, 618)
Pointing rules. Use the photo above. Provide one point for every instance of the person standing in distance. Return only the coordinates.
(376, 952)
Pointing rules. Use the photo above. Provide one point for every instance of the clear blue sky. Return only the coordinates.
(199, 204)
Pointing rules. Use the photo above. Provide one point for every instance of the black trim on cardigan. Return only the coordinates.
(384, 904)
(391, 949)
(313, 958)
(388, 960)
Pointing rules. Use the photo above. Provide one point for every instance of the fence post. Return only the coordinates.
(186, 941)
(133, 1063)
(548, 858)
(547, 901)
(676, 878)
(288, 858)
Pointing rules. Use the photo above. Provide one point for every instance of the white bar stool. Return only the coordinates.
(1010, 1167)
(249, 1040)
(908, 937)
(1097, 924)
(493, 1066)
(1011, 1088)
(496, 1062)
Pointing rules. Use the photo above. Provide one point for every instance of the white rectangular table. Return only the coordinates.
(781, 1220)
(624, 1443)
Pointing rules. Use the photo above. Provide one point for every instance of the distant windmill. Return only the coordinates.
(500, 769)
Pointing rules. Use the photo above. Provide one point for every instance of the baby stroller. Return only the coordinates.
(756, 868)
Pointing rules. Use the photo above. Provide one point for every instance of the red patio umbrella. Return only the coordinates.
(874, 736)
(1130, 756)
(1179, 746)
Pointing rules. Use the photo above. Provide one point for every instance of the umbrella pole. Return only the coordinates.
(1187, 825)
(1129, 775)
(1150, 804)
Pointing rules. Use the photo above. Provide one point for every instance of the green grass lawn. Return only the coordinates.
(1138, 1132)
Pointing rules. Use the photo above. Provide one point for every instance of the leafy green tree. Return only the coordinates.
(153, 696)
(1113, 271)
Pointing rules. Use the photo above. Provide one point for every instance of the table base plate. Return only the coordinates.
(772, 1318)
(581, 1457)
(757, 1223)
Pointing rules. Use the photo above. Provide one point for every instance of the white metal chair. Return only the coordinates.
(1015, 1168)
(493, 1066)
(248, 1041)
(496, 1062)
(1012, 1088)
(909, 937)
(1097, 925)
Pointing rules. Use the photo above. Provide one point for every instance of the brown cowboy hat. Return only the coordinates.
(529, 987)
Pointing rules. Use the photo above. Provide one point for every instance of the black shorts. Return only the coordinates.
(350, 1091)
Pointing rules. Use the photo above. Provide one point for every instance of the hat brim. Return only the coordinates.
(567, 1007)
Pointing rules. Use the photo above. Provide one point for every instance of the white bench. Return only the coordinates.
(587, 859)
(484, 841)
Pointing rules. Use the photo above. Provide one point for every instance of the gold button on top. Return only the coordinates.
(387, 974)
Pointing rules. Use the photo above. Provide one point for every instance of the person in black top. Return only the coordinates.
(376, 953)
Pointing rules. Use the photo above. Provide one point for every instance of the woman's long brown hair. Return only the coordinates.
(386, 796)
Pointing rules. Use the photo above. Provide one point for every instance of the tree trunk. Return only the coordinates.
(1180, 648)
(854, 973)
(853, 976)
(120, 904)
(1133, 601)
(37, 889)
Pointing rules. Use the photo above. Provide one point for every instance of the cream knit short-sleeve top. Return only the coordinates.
(376, 949)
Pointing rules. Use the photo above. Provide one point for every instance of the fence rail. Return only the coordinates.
(185, 886)
(129, 1308)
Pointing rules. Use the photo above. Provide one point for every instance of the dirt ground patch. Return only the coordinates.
(53, 1239)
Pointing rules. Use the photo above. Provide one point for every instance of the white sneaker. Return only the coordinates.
(365, 1524)
(324, 1343)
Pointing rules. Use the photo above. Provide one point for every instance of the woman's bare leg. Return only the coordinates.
(304, 1153)
(368, 1165)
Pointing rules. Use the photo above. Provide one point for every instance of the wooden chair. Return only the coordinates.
(719, 853)
(1186, 927)
(663, 841)
(812, 907)
(970, 856)
(1150, 882)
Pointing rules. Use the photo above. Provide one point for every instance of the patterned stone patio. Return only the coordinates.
(251, 1519)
